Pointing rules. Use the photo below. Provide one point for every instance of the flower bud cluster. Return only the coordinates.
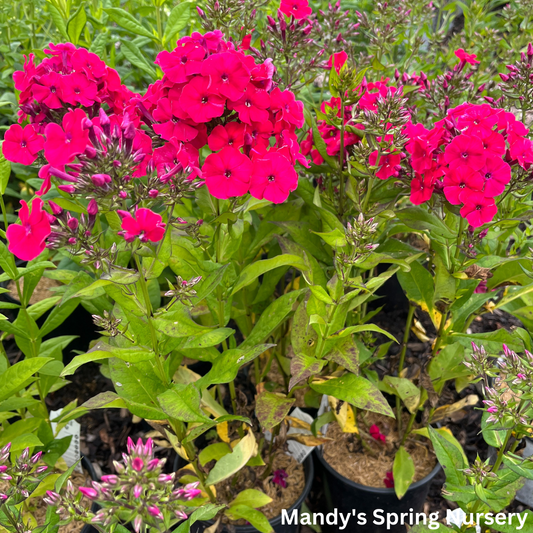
(296, 46)
(358, 236)
(516, 84)
(182, 291)
(108, 323)
(19, 480)
(70, 232)
(511, 376)
(480, 471)
(139, 492)
(22, 476)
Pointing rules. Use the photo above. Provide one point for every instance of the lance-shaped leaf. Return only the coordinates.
(303, 367)
(182, 402)
(408, 392)
(234, 461)
(346, 354)
(355, 390)
(272, 408)
(403, 471)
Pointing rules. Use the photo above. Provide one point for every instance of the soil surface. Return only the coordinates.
(369, 466)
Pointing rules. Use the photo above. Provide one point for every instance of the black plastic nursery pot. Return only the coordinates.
(348, 497)
(277, 526)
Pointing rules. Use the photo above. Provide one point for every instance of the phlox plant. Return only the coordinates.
(213, 220)
(367, 150)
(126, 189)
(486, 487)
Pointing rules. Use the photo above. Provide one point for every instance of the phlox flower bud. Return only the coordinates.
(89, 492)
(137, 464)
(154, 511)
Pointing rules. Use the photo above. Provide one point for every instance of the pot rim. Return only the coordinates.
(376, 490)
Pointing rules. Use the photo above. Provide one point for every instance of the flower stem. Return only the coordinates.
(408, 322)
(149, 318)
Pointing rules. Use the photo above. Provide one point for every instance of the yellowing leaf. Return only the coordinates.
(447, 410)
(222, 430)
(418, 329)
(234, 461)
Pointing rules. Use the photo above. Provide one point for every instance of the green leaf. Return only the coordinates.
(234, 461)
(445, 283)
(209, 338)
(206, 512)
(138, 384)
(214, 452)
(420, 219)
(199, 430)
(135, 56)
(345, 353)
(76, 23)
(7, 261)
(98, 45)
(319, 143)
(492, 340)
(252, 271)
(255, 517)
(403, 471)
(357, 391)
(177, 20)
(271, 409)
(335, 238)
(104, 351)
(128, 22)
(271, 318)
(303, 367)
(523, 467)
(320, 293)
(449, 456)
(435, 527)
(226, 366)
(419, 288)
(408, 392)
(358, 329)
(17, 376)
(5, 171)
(252, 498)
(182, 402)
(58, 20)
(122, 276)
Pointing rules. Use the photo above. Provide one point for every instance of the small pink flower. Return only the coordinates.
(279, 478)
(466, 58)
(22, 145)
(146, 225)
(227, 173)
(338, 59)
(299, 9)
(137, 490)
(376, 434)
(389, 480)
(27, 239)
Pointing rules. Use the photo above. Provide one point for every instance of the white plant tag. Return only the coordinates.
(72, 455)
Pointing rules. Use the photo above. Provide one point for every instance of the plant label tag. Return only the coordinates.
(72, 428)
(297, 450)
